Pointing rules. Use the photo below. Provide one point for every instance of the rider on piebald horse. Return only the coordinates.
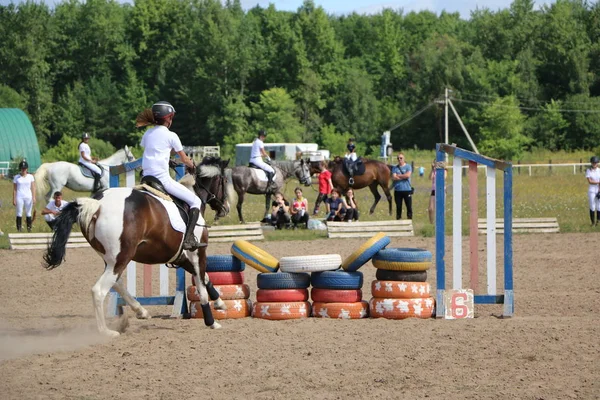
(256, 155)
(158, 142)
(85, 159)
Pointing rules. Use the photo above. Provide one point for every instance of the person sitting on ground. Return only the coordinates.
(336, 206)
(158, 142)
(53, 209)
(86, 159)
(352, 209)
(280, 211)
(299, 209)
(256, 158)
(325, 185)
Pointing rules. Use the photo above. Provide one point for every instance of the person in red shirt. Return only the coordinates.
(325, 186)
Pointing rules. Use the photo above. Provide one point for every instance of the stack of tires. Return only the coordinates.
(338, 294)
(226, 273)
(401, 290)
(280, 295)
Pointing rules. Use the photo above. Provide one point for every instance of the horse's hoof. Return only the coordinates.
(216, 325)
(109, 333)
(219, 304)
(143, 314)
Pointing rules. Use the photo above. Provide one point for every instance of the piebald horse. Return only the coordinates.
(124, 224)
(246, 180)
(61, 173)
(376, 174)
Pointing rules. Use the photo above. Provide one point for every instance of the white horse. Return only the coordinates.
(61, 173)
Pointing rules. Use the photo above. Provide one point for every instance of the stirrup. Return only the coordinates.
(351, 181)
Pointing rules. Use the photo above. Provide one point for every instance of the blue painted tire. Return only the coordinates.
(404, 254)
(224, 263)
(283, 280)
(364, 253)
(339, 279)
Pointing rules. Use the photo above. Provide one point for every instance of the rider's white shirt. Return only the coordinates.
(351, 156)
(24, 185)
(85, 148)
(257, 145)
(158, 143)
(593, 173)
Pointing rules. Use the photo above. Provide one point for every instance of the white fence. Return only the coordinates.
(197, 153)
(5, 167)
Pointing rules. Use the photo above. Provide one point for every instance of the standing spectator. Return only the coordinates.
(431, 209)
(336, 206)
(352, 209)
(53, 209)
(402, 187)
(280, 211)
(325, 186)
(24, 195)
(85, 158)
(299, 209)
(593, 177)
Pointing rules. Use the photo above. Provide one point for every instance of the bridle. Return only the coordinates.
(211, 196)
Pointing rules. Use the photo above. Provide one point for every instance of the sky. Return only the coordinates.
(339, 7)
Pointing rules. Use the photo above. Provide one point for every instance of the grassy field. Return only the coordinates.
(547, 193)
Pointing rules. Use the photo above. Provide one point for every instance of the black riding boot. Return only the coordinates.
(19, 224)
(350, 167)
(96, 182)
(269, 181)
(190, 242)
(28, 219)
(591, 218)
(597, 217)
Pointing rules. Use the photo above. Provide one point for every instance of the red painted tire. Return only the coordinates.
(226, 278)
(401, 308)
(226, 292)
(235, 309)
(281, 311)
(400, 290)
(354, 310)
(281, 295)
(335, 295)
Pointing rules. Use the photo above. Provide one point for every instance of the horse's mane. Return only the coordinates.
(209, 167)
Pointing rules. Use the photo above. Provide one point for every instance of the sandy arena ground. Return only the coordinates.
(550, 350)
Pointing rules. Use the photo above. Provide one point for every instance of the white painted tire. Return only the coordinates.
(324, 262)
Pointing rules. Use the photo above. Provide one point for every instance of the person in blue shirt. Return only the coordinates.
(402, 188)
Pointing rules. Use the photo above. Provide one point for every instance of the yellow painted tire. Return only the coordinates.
(400, 290)
(401, 266)
(401, 308)
(254, 256)
(355, 310)
(364, 253)
(235, 309)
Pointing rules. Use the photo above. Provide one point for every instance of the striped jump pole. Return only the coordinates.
(472, 159)
(178, 301)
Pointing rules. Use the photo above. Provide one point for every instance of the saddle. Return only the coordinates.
(354, 168)
(250, 165)
(85, 171)
(155, 184)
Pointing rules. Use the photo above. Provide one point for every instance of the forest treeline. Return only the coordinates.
(520, 77)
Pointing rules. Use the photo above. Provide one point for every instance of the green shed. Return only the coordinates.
(17, 139)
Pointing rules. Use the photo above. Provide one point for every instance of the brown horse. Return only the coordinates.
(376, 174)
(124, 224)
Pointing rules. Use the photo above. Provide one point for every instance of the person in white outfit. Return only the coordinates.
(592, 175)
(256, 158)
(24, 195)
(53, 209)
(85, 158)
(158, 142)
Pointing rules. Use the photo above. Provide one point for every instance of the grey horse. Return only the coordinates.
(245, 180)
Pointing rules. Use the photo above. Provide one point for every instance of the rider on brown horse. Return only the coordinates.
(158, 142)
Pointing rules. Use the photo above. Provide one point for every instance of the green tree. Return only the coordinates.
(275, 112)
(10, 98)
(548, 128)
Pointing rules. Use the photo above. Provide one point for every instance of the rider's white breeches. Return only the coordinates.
(178, 190)
(24, 201)
(594, 202)
(262, 165)
(93, 167)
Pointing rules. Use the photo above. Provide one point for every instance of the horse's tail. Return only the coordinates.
(232, 196)
(41, 180)
(81, 210)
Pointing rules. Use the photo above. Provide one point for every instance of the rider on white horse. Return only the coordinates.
(256, 155)
(85, 159)
(158, 142)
